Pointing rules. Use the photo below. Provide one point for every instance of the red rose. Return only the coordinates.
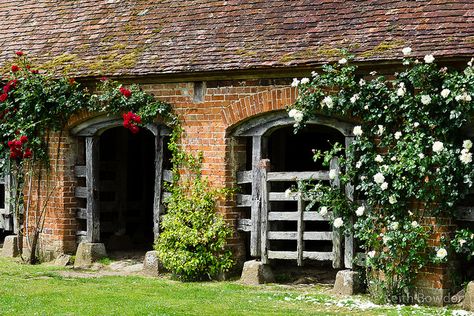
(134, 129)
(10, 143)
(12, 83)
(34, 71)
(104, 79)
(27, 153)
(24, 139)
(19, 53)
(15, 68)
(72, 81)
(28, 67)
(125, 92)
(7, 88)
(3, 97)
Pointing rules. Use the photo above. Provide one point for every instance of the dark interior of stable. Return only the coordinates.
(126, 181)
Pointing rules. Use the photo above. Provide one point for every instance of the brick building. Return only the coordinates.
(226, 67)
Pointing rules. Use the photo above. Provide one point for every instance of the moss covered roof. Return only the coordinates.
(146, 37)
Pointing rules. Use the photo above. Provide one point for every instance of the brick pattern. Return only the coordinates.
(129, 37)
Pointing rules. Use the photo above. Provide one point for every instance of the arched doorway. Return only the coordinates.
(120, 178)
(279, 226)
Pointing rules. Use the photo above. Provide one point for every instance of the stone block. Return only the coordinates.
(88, 253)
(468, 302)
(255, 272)
(151, 264)
(62, 260)
(347, 283)
(10, 247)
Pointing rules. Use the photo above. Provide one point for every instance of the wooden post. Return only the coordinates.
(336, 240)
(349, 238)
(92, 171)
(265, 208)
(157, 206)
(300, 230)
(258, 151)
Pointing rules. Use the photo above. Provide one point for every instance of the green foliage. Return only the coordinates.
(407, 160)
(193, 238)
(463, 243)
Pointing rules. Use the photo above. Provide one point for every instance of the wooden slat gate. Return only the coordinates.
(260, 226)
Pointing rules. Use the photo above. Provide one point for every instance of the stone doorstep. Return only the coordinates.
(347, 283)
(255, 272)
(10, 247)
(88, 253)
(468, 302)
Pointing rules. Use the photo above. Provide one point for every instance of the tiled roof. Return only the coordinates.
(138, 37)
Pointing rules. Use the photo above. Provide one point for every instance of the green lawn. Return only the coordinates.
(40, 290)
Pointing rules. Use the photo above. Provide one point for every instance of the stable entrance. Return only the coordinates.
(280, 226)
(120, 178)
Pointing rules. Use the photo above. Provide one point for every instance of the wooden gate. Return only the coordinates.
(263, 224)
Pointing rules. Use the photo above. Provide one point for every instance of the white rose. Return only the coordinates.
(429, 59)
(327, 101)
(406, 51)
(438, 147)
(441, 253)
(314, 74)
(338, 222)
(342, 61)
(467, 144)
(380, 130)
(332, 174)
(295, 82)
(445, 93)
(462, 241)
(292, 112)
(421, 155)
(379, 178)
(415, 224)
(384, 186)
(425, 99)
(394, 158)
(323, 210)
(398, 135)
(360, 211)
(361, 82)
(465, 157)
(378, 158)
(357, 130)
(386, 239)
(354, 98)
(298, 116)
(401, 89)
(463, 97)
(371, 254)
(304, 81)
(416, 124)
(359, 164)
(392, 199)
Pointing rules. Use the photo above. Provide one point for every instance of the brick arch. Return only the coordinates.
(81, 117)
(265, 101)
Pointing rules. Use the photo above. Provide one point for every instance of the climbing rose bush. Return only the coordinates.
(407, 161)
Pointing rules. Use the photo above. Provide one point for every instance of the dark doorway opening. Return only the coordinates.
(126, 189)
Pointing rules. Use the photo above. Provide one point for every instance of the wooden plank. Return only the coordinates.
(283, 255)
(167, 175)
(349, 246)
(281, 196)
(265, 208)
(300, 229)
(159, 177)
(465, 214)
(92, 171)
(244, 200)
(80, 192)
(317, 235)
(297, 176)
(336, 240)
(293, 255)
(81, 233)
(334, 165)
(316, 255)
(81, 213)
(244, 177)
(80, 171)
(273, 235)
(258, 144)
(293, 216)
(244, 225)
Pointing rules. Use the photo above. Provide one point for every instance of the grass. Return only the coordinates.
(41, 290)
